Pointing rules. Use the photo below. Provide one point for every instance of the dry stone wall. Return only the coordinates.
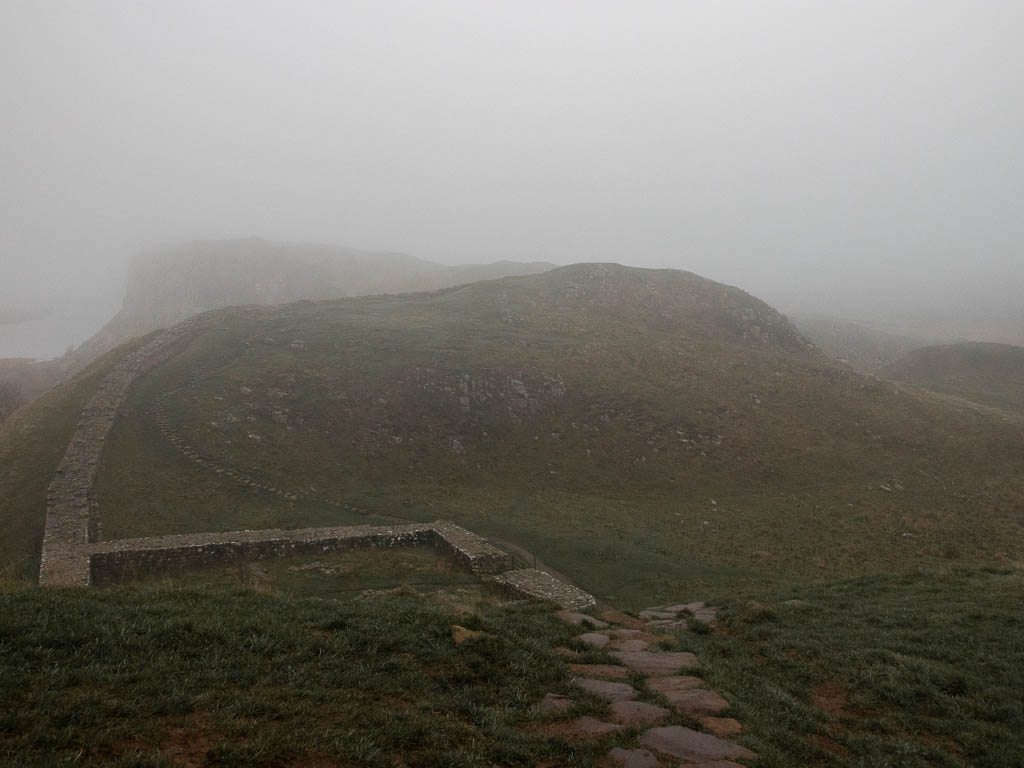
(530, 582)
(66, 535)
(118, 561)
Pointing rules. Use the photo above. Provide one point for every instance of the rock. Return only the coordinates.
(637, 713)
(649, 614)
(697, 701)
(607, 690)
(631, 644)
(603, 671)
(581, 619)
(687, 744)
(461, 635)
(632, 758)
(566, 653)
(553, 703)
(673, 684)
(722, 727)
(660, 664)
(596, 639)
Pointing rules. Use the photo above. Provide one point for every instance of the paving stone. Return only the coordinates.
(649, 663)
(596, 639)
(581, 619)
(722, 727)
(673, 683)
(554, 703)
(648, 615)
(604, 671)
(606, 689)
(697, 702)
(633, 758)
(623, 619)
(687, 744)
(629, 645)
(637, 713)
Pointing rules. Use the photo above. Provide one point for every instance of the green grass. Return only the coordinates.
(343, 575)
(913, 671)
(145, 677)
(920, 670)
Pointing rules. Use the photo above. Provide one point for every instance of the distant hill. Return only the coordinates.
(866, 349)
(991, 374)
(167, 286)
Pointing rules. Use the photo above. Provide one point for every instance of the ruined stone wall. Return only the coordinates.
(66, 535)
(119, 561)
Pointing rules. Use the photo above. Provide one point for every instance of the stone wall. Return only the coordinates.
(530, 582)
(66, 535)
(119, 561)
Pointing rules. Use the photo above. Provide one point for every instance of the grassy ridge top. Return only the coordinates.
(990, 374)
(604, 417)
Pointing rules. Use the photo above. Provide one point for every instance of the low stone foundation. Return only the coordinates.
(115, 562)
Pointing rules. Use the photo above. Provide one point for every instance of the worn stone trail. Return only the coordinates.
(658, 741)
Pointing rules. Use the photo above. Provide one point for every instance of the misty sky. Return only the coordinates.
(826, 155)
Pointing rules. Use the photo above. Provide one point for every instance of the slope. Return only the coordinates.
(990, 374)
(638, 429)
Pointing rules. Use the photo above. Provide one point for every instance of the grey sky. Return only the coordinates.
(828, 155)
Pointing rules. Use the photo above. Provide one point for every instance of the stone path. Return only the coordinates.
(654, 709)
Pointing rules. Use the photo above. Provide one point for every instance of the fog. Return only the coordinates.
(862, 159)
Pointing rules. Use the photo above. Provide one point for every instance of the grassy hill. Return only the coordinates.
(991, 374)
(168, 285)
(638, 429)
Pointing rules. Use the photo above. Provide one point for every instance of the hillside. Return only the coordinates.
(600, 416)
(990, 374)
(166, 286)
(867, 349)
